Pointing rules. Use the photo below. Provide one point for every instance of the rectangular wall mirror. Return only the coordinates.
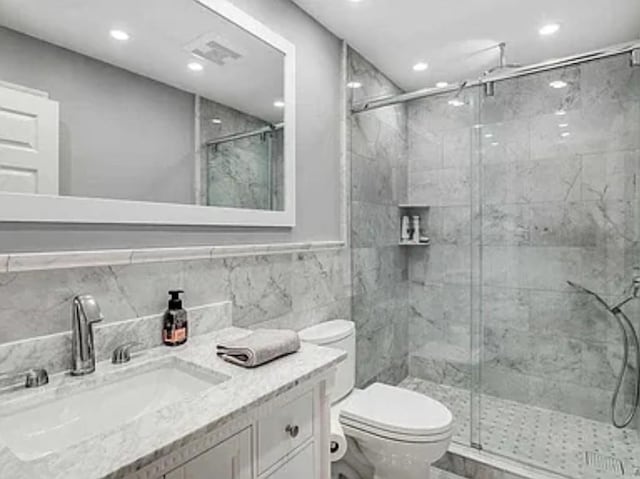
(152, 111)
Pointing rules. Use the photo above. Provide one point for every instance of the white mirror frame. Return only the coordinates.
(19, 207)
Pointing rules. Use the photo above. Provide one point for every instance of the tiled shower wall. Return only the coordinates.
(290, 290)
(553, 208)
(378, 184)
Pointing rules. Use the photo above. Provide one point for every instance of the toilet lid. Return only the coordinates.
(398, 410)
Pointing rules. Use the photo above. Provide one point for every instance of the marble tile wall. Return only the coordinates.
(291, 290)
(554, 207)
(377, 148)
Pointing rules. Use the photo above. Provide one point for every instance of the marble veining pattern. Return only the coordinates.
(53, 352)
(378, 156)
(116, 453)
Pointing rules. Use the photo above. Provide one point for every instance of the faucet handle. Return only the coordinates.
(122, 353)
(33, 378)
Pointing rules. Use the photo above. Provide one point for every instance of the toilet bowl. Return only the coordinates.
(400, 432)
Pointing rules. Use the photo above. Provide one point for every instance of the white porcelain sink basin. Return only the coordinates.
(109, 402)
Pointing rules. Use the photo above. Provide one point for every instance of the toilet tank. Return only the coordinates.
(338, 334)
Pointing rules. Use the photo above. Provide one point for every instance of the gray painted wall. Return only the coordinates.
(122, 135)
(318, 158)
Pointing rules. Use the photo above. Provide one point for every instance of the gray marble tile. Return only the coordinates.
(457, 146)
(611, 176)
(506, 308)
(318, 279)
(504, 225)
(508, 348)
(562, 224)
(503, 142)
(425, 149)
(533, 181)
(592, 129)
(53, 352)
(372, 181)
(531, 95)
(261, 288)
(610, 80)
(374, 225)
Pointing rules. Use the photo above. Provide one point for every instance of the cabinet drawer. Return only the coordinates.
(284, 430)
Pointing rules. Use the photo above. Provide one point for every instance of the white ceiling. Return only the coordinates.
(451, 34)
(160, 31)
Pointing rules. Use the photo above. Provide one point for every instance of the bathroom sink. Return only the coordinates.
(100, 405)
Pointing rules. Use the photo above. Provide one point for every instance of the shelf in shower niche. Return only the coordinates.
(409, 206)
(406, 243)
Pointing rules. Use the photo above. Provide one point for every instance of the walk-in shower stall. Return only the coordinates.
(515, 315)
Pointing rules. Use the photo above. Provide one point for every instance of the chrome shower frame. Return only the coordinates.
(633, 48)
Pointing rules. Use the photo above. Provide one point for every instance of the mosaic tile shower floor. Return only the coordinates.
(547, 439)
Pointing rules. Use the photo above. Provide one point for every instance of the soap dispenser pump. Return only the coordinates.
(175, 326)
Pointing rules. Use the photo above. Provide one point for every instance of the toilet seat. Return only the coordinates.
(397, 414)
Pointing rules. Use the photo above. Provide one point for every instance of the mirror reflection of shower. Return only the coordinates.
(244, 169)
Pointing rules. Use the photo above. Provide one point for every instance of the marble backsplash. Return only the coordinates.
(53, 352)
(291, 290)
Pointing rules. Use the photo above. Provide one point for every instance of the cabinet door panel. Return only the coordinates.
(300, 467)
(228, 460)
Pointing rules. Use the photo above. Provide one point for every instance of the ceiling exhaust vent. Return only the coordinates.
(214, 48)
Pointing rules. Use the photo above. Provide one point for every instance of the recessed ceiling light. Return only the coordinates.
(488, 135)
(442, 84)
(354, 84)
(495, 143)
(565, 134)
(549, 29)
(195, 67)
(456, 102)
(278, 104)
(557, 84)
(477, 126)
(216, 121)
(561, 113)
(420, 66)
(119, 35)
(563, 125)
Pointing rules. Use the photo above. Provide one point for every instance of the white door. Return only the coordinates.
(228, 460)
(28, 143)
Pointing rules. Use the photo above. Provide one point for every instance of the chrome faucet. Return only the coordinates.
(86, 313)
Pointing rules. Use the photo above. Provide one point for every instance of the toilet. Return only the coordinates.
(400, 432)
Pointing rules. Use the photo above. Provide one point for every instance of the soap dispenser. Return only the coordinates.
(174, 326)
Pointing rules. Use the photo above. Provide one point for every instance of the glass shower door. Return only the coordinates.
(558, 156)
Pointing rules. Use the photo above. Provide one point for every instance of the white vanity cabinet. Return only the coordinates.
(286, 437)
(229, 460)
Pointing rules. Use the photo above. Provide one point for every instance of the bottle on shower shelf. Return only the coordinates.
(405, 230)
(415, 231)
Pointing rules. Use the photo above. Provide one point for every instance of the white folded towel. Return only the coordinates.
(259, 347)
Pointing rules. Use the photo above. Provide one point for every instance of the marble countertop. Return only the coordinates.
(116, 453)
